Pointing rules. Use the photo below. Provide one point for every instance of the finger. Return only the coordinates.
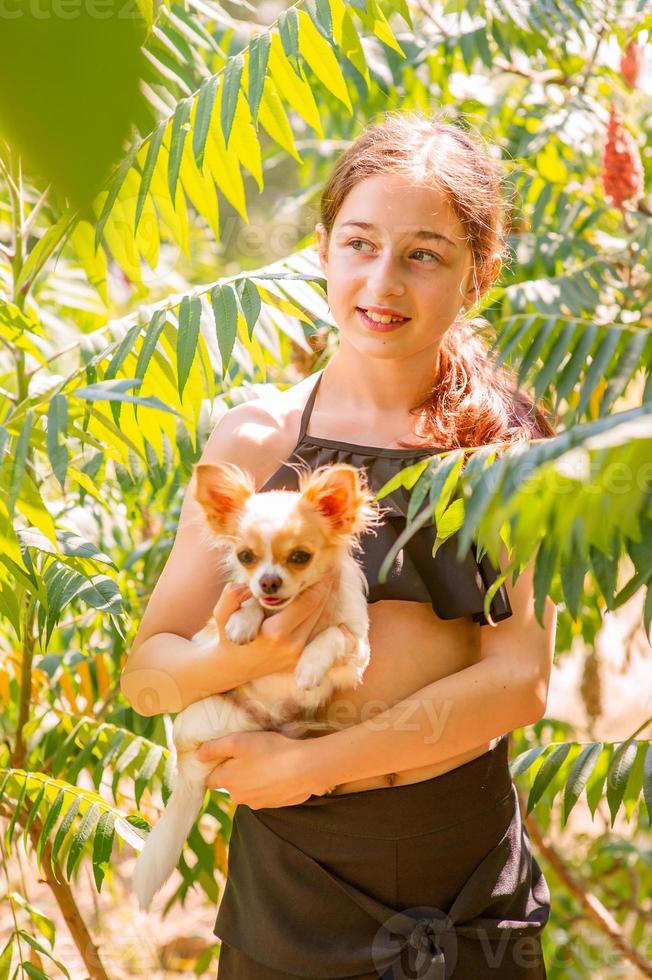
(216, 748)
(307, 606)
(231, 599)
(302, 630)
(218, 777)
(318, 618)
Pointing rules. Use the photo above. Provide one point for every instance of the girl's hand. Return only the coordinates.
(260, 769)
(282, 636)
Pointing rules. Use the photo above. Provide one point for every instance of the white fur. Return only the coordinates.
(322, 668)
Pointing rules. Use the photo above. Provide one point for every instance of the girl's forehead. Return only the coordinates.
(392, 202)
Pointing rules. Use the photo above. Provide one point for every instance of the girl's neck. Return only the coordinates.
(380, 389)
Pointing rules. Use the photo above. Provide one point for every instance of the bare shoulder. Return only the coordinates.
(259, 434)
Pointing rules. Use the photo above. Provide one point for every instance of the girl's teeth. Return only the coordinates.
(383, 318)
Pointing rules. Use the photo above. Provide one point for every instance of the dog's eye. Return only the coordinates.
(299, 557)
(246, 557)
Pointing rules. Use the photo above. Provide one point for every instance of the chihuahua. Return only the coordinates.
(278, 543)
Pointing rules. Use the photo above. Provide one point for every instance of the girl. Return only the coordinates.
(429, 874)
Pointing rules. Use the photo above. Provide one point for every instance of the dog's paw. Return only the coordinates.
(242, 628)
(308, 675)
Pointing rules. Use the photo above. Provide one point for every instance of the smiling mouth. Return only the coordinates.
(272, 600)
(379, 324)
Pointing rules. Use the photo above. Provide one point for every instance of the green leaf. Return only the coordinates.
(600, 359)
(446, 473)
(65, 825)
(406, 477)
(48, 824)
(321, 58)
(288, 29)
(110, 391)
(126, 757)
(225, 310)
(250, 302)
(523, 761)
(258, 60)
(18, 806)
(150, 162)
(103, 846)
(205, 102)
(544, 568)
(597, 778)
(125, 348)
(229, 101)
(57, 426)
(546, 773)
(417, 496)
(42, 251)
(18, 465)
(33, 971)
(40, 948)
(177, 139)
(114, 190)
(44, 925)
(30, 820)
(618, 775)
(82, 834)
(6, 958)
(148, 347)
(147, 770)
(451, 520)
(647, 782)
(189, 319)
(578, 778)
(324, 19)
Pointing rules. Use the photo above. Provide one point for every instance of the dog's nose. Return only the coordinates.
(270, 583)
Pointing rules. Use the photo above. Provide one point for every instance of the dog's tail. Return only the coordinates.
(160, 855)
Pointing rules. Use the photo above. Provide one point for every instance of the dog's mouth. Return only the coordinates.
(268, 600)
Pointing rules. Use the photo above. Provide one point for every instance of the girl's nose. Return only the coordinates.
(385, 277)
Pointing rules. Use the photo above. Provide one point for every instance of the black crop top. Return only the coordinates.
(453, 588)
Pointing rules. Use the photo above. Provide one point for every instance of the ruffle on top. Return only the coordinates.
(453, 588)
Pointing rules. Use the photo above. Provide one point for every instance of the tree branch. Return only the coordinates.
(593, 908)
(19, 752)
(64, 897)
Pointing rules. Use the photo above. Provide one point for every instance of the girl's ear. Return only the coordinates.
(322, 245)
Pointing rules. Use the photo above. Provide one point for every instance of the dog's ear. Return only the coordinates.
(222, 489)
(335, 490)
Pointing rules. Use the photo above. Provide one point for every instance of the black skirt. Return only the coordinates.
(431, 880)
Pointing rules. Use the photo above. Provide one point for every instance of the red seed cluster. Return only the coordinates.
(631, 63)
(622, 169)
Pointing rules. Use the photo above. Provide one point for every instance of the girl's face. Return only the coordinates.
(398, 245)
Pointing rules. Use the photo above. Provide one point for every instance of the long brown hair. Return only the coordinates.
(472, 402)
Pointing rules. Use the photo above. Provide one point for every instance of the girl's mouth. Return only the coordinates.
(381, 327)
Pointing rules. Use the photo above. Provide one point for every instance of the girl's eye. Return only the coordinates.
(420, 251)
(431, 255)
(357, 241)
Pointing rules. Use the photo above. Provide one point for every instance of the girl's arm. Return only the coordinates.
(506, 689)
